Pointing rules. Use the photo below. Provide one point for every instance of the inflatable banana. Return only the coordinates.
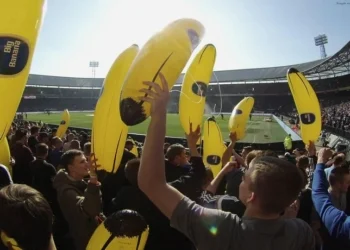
(307, 105)
(64, 124)
(167, 52)
(213, 145)
(108, 131)
(239, 117)
(194, 88)
(20, 22)
(123, 230)
(9, 242)
(5, 156)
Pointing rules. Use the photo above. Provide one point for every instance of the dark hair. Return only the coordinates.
(41, 149)
(26, 216)
(131, 171)
(20, 133)
(339, 159)
(74, 145)
(68, 158)
(337, 175)
(173, 151)
(42, 135)
(276, 183)
(34, 130)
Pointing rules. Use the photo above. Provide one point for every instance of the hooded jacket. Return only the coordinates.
(80, 203)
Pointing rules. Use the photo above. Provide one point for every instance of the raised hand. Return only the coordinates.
(157, 96)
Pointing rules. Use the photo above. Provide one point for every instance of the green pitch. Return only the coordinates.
(258, 131)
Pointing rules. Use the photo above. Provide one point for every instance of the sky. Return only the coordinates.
(246, 33)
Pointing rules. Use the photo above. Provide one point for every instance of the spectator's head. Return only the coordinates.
(43, 138)
(299, 152)
(176, 154)
(21, 136)
(74, 144)
(87, 149)
(26, 218)
(269, 186)
(53, 132)
(209, 176)
(42, 150)
(34, 130)
(129, 144)
(251, 155)
(246, 150)
(339, 179)
(338, 160)
(166, 146)
(75, 163)
(56, 142)
(302, 162)
(132, 170)
(70, 137)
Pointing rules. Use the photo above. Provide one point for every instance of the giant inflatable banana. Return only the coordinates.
(194, 88)
(5, 156)
(64, 124)
(123, 230)
(213, 145)
(239, 117)
(108, 130)
(167, 52)
(20, 22)
(307, 105)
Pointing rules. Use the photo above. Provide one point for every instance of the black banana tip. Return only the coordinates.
(292, 71)
(132, 112)
(126, 223)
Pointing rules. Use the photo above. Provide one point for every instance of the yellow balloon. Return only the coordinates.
(20, 22)
(5, 156)
(108, 130)
(213, 145)
(194, 88)
(167, 52)
(123, 230)
(64, 124)
(239, 117)
(307, 104)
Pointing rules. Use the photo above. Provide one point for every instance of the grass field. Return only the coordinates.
(256, 130)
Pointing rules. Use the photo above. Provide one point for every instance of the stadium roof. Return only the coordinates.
(332, 66)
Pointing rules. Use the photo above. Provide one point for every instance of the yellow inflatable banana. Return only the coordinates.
(167, 52)
(64, 124)
(108, 130)
(20, 22)
(123, 230)
(213, 148)
(194, 88)
(5, 156)
(307, 105)
(239, 117)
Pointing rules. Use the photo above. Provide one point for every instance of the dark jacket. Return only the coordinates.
(81, 205)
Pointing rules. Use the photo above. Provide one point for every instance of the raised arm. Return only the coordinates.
(151, 177)
(336, 221)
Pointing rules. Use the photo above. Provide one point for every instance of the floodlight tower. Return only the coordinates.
(94, 65)
(320, 41)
